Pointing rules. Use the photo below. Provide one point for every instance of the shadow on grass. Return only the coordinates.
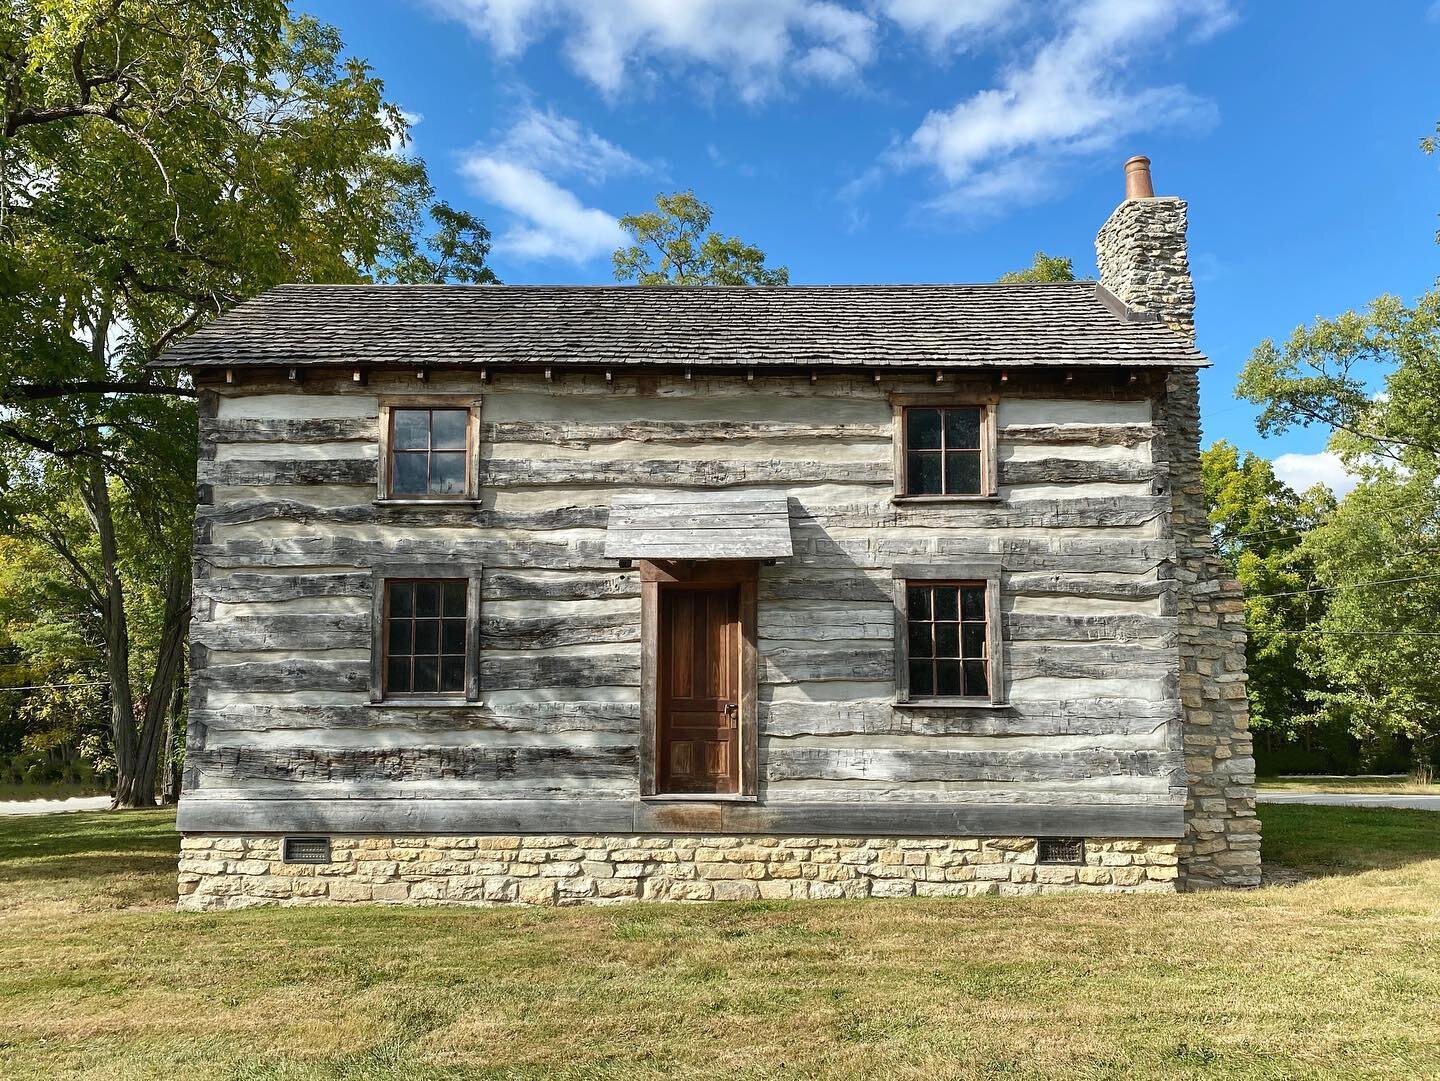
(1317, 841)
(93, 861)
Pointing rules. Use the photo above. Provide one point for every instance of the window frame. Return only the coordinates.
(383, 574)
(388, 405)
(989, 472)
(986, 574)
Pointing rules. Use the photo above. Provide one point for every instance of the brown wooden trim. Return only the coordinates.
(655, 574)
(380, 574)
(471, 403)
(989, 404)
(953, 574)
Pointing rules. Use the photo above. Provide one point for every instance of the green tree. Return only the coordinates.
(159, 162)
(1043, 268)
(672, 247)
(1259, 523)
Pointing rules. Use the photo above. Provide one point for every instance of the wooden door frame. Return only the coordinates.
(654, 576)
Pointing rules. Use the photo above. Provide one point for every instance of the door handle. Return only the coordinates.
(732, 711)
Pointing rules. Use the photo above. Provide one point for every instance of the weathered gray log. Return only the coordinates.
(289, 430)
(509, 585)
(1081, 717)
(311, 630)
(792, 584)
(289, 471)
(780, 666)
(1023, 627)
(534, 673)
(413, 763)
(349, 552)
(589, 816)
(582, 434)
(1024, 660)
(853, 764)
(241, 588)
(1086, 513)
(1036, 585)
(1091, 435)
(1077, 471)
(541, 718)
(295, 674)
(699, 474)
(546, 632)
(238, 512)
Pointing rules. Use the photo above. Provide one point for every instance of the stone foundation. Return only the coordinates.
(224, 871)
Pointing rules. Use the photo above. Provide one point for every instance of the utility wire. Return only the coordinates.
(49, 686)
(1350, 585)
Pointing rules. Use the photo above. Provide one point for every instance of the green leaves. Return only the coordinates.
(672, 248)
(1043, 268)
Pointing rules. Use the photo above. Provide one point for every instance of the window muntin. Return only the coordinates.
(947, 639)
(426, 638)
(428, 452)
(943, 454)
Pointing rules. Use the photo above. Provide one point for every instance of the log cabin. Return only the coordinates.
(564, 595)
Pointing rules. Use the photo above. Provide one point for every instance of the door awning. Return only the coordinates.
(699, 525)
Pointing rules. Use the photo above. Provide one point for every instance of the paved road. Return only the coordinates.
(1351, 799)
(54, 806)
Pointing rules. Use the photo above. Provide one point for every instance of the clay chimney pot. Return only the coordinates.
(1137, 178)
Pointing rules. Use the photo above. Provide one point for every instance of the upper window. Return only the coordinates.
(943, 450)
(426, 636)
(428, 451)
(948, 641)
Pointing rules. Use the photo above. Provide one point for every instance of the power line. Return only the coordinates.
(1351, 585)
(49, 686)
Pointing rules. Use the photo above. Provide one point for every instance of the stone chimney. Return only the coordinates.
(1141, 252)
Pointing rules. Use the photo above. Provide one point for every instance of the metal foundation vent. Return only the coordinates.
(306, 850)
(1060, 849)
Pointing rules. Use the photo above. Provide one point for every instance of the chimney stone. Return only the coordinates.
(1141, 252)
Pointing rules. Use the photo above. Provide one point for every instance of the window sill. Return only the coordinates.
(699, 797)
(419, 501)
(949, 703)
(924, 499)
(428, 703)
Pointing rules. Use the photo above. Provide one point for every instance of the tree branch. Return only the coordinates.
(35, 391)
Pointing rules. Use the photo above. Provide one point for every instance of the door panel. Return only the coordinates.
(699, 685)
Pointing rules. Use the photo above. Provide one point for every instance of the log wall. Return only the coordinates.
(289, 528)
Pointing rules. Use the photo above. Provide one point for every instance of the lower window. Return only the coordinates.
(426, 633)
(948, 641)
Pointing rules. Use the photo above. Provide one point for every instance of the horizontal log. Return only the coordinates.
(548, 672)
(285, 675)
(581, 435)
(546, 632)
(529, 472)
(527, 717)
(262, 471)
(312, 630)
(591, 816)
(243, 588)
(411, 764)
(1041, 585)
(290, 429)
(1090, 435)
(244, 511)
(1024, 660)
(1082, 717)
(1086, 513)
(349, 552)
(506, 585)
(782, 666)
(797, 763)
(1077, 471)
(1023, 627)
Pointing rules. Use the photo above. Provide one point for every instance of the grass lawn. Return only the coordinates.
(1363, 786)
(57, 790)
(1337, 976)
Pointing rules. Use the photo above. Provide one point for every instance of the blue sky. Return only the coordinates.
(944, 140)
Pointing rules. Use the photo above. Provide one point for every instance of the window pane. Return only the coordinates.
(399, 637)
(947, 678)
(976, 681)
(920, 640)
(407, 474)
(972, 637)
(447, 473)
(412, 429)
(427, 636)
(962, 472)
(454, 598)
(402, 598)
(962, 429)
(427, 675)
(922, 678)
(397, 675)
(922, 474)
(447, 429)
(452, 673)
(453, 638)
(917, 600)
(427, 598)
(973, 603)
(945, 602)
(922, 429)
(947, 639)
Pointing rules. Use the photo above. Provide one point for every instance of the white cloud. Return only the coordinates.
(1302, 471)
(1070, 98)
(518, 174)
(754, 44)
(946, 23)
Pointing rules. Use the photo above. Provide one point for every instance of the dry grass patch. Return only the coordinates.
(1337, 976)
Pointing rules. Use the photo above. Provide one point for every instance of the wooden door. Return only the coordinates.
(699, 689)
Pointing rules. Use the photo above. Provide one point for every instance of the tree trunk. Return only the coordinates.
(169, 662)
